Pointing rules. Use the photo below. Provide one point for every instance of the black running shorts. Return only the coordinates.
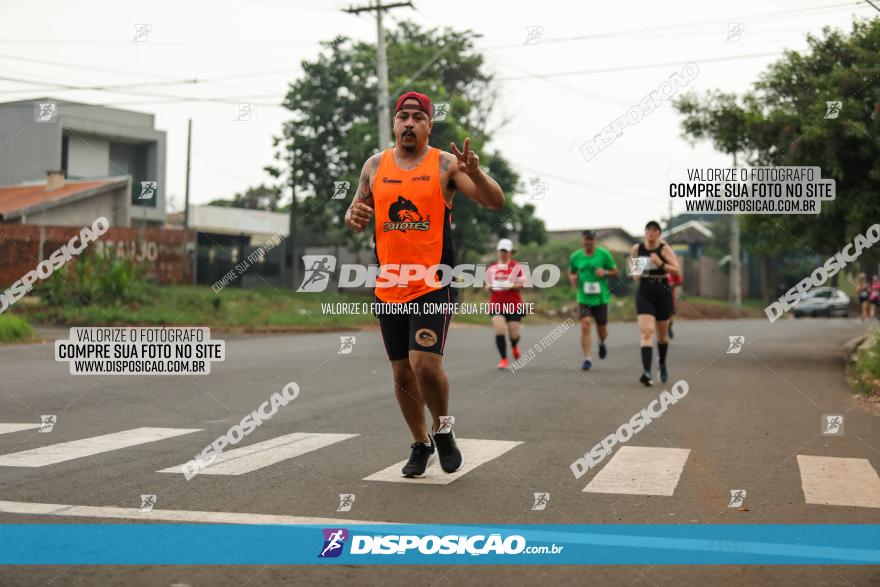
(417, 325)
(654, 297)
(599, 313)
(515, 317)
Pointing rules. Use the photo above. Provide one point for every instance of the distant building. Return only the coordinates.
(55, 201)
(85, 142)
(225, 236)
(689, 239)
(613, 238)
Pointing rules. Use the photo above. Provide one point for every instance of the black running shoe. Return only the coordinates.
(603, 350)
(450, 457)
(646, 380)
(421, 457)
(664, 374)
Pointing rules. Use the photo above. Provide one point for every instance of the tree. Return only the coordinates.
(332, 130)
(261, 197)
(783, 122)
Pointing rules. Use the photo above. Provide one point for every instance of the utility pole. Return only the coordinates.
(735, 270)
(381, 67)
(189, 131)
(195, 245)
(292, 229)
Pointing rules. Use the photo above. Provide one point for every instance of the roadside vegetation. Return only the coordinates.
(14, 329)
(865, 370)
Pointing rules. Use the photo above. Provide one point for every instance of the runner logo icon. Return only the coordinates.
(47, 423)
(334, 540)
(541, 501)
(318, 269)
(148, 502)
(736, 344)
(346, 344)
(340, 190)
(46, 112)
(446, 423)
(346, 500)
(832, 424)
(737, 497)
(833, 109)
(637, 265)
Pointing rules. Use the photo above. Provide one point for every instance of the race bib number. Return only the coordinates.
(592, 288)
(500, 284)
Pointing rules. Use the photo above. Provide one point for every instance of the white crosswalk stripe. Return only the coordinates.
(76, 449)
(262, 454)
(839, 481)
(179, 516)
(9, 428)
(641, 470)
(476, 452)
(632, 470)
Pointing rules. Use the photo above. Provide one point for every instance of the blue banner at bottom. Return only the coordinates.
(191, 544)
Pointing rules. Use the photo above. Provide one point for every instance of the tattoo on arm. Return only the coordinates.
(444, 167)
(364, 193)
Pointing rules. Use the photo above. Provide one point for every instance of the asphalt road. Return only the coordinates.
(745, 420)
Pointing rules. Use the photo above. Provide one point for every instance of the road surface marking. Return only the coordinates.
(262, 454)
(185, 516)
(839, 481)
(641, 470)
(76, 449)
(8, 428)
(475, 452)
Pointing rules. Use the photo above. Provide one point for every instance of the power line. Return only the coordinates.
(637, 67)
(56, 86)
(138, 73)
(627, 32)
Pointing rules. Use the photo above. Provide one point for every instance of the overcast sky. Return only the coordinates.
(255, 48)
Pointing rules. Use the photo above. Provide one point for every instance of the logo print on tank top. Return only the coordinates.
(405, 216)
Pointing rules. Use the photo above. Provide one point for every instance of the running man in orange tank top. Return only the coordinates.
(407, 192)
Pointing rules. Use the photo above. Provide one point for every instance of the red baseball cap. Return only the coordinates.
(424, 101)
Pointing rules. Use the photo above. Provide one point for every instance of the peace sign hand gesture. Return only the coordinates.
(468, 161)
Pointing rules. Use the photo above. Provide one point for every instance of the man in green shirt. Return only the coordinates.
(589, 270)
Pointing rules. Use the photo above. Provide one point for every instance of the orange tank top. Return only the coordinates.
(412, 225)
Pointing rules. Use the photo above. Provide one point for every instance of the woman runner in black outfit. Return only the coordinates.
(652, 262)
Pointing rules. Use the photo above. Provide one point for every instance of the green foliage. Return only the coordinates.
(93, 279)
(866, 371)
(14, 329)
(781, 121)
(261, 197)
(245, 309)
(333, 130)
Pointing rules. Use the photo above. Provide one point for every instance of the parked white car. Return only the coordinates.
(823, 301)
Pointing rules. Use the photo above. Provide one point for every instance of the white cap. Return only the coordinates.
(505, 244)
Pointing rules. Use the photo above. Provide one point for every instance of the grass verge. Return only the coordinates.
(865, 369)
(268, 309)
(14, 329)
